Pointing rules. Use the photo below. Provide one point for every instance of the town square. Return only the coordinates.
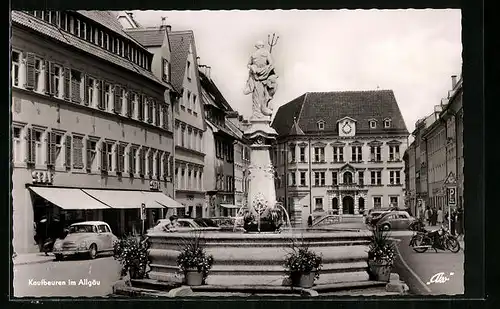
(236, 153)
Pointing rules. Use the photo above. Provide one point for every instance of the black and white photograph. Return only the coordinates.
(237, 153)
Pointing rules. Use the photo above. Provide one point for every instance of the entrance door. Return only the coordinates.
(335, 205)
(348, 205)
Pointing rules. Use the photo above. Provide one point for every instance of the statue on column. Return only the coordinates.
(262, 81)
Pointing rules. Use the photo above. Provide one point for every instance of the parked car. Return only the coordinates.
(374, 214)
(184, 224)
(395, 220)
(88, 237)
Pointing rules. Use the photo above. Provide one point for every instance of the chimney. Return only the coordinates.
(453, 81)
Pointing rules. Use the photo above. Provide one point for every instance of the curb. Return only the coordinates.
(31, 262)
(426, 288)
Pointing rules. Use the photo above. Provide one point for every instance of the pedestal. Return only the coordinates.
(261, 192)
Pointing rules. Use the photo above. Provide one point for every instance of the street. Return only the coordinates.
(428, 265)
(90, 278)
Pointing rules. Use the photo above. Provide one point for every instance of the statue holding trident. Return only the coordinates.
(262, 79)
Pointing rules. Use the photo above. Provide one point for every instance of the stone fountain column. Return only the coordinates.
(261, 192)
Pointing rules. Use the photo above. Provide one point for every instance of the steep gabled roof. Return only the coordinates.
(333, 106)
(149, 37)
(179, 43)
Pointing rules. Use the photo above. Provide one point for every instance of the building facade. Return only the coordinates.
(438, 153)
(219, 156)
(91, 135)
(339, 152)
(189, 126)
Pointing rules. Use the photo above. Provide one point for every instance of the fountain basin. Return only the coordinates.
(257, 259)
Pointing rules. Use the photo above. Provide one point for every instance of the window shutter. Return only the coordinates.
(30, 71)
(68, 152)
(52, 79)
(158, 164)
(100, 95)
(117, 107)
(29, 147)
(165, 164)
(47, 77)
(150, 103)
(141, 107)
(150, 163)
(78, 152)
(171, 165)
(104, 158)
(51, 148)
(117, 158)
(141, 162)
(157, 113)
(88, 164)
(86, 90)
(131, 161)
(121, 160)
(67, 83)
(129, 97)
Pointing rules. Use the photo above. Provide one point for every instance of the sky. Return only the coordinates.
(412, 52)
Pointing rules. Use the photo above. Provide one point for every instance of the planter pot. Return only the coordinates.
(193, 277)
(303, 280)
(379, 271)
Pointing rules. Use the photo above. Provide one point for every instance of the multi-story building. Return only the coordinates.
(438, 152)
(189, 123)
(219, 151)
(339, 152)
(238, 125)
(91, 135)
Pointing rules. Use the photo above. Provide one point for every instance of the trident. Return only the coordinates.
(272, 41)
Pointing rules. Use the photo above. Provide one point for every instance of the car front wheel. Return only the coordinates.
(386, 227)
(93, 251)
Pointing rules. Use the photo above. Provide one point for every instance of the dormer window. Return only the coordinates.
(387, 123)
(321, 125)
(373, 124)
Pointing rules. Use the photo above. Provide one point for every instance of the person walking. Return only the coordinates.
(428, 216)
(440, 216)
(310, 221)
(460, 222)
(453, 222)
(434, 216)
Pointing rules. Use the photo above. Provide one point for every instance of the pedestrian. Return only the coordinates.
(172, 224)
(434, 216)
(428, 216)
(460, 222)
(310, 221)
(440, 216)
(453, 222)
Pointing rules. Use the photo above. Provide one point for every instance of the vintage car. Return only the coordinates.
(395, 220)
(184, 224)
(89, 238)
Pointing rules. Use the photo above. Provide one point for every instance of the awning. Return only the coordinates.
(163, 199)
(68, 198)
(123, 199)
(230, 206)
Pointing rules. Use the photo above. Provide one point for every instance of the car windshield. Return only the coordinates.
(200, 222)
(81, 228)
(210, 223)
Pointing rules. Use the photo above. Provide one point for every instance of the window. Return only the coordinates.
(151, 162)
(64, 21)
(16, 64)
(157, 108)
(88, 35)
(183, 136)
(302, 154)
(373, 124)
(133, 156)
(142, 161)
(91, 155)
(38, 147)
(347, 178)
(16, 144)
(188, 100)
(165, 161)
(165, 74)
(150, 103)
(292, 179)
(194, 104)
(71, 25)
(118, 98)
(106, 41)
(76, 81)
(303, 179)
(54, 147)
(107, 97)
(318, 203)
(376, 177)
(319, 179)
(99, 37)
(356, 154)
(377, 202)
(38, 75)
(292, 153)
(76, 27)
(120, 158)
(375, 154)
(56, 80)
(338, 154)
(165, 109)
(189, 70)
(335, 178)
(319, 154)
(132, 102)
(394, 153)
(78, 152)
(321, 125)
(158, 164)
(395, 177)
(387, 123)
(394, 202)
(361, 178)
(107, 157)
(90, 91)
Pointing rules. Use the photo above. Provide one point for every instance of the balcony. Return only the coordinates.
(347, 186)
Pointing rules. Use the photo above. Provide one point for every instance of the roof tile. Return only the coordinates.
(147, 36)
(179, 44)
(333, 106)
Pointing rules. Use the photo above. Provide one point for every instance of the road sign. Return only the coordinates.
(450, 179)
(451, 192)
(143, 211)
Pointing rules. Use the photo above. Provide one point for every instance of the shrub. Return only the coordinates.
(132, 252)
(194, 256)
(301, 259)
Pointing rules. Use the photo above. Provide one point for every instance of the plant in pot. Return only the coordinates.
(381, 255)
(302, 265)
(132, 252)
(194, 261)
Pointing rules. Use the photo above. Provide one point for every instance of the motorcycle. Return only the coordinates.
(440, 239)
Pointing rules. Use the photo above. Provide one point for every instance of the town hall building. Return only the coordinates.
(339, 153)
